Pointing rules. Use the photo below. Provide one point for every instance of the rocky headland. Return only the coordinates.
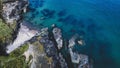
(45, 45)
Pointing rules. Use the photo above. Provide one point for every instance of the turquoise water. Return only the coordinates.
(97, 21)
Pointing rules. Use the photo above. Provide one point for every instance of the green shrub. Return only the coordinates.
(5, 32)
(15, 59)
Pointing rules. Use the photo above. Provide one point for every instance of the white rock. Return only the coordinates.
(36, 56)
(11, 10)
(24, 35)
(58, 37)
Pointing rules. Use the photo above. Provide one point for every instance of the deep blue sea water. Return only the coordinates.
(97, 21)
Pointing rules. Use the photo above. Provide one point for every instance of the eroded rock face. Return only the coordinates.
(58, 37)
(48, 44)
(24, 34)
(58, 59)
(12, 10)
(38, 59)
(62, 61)
(81, 59)
(84, 61)
(51, 50)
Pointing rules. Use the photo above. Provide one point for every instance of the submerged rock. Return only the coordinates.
(62, 13)
(48, 13)
(36, 4)
(81, 42)
(12, 10)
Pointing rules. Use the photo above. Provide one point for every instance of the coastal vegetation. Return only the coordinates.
(5, 32)
(0, 5)
(15, 59)
(41, 50)
(44, 50)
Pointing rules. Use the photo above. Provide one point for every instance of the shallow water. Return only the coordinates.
(97, 21)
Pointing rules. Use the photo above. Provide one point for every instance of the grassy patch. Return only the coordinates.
(5, 32)
(15, 59)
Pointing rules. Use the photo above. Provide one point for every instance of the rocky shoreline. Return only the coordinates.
(12, 10)
(45, 42)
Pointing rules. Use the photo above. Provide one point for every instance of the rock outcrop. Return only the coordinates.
(12, 13)
(24, 34)
(12, 10)
(38, 59)
(58, 37)
(27, 34)
(81, 59)
(51, 50)
(46, 51)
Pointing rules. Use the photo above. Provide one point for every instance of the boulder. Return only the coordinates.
(58, 37)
